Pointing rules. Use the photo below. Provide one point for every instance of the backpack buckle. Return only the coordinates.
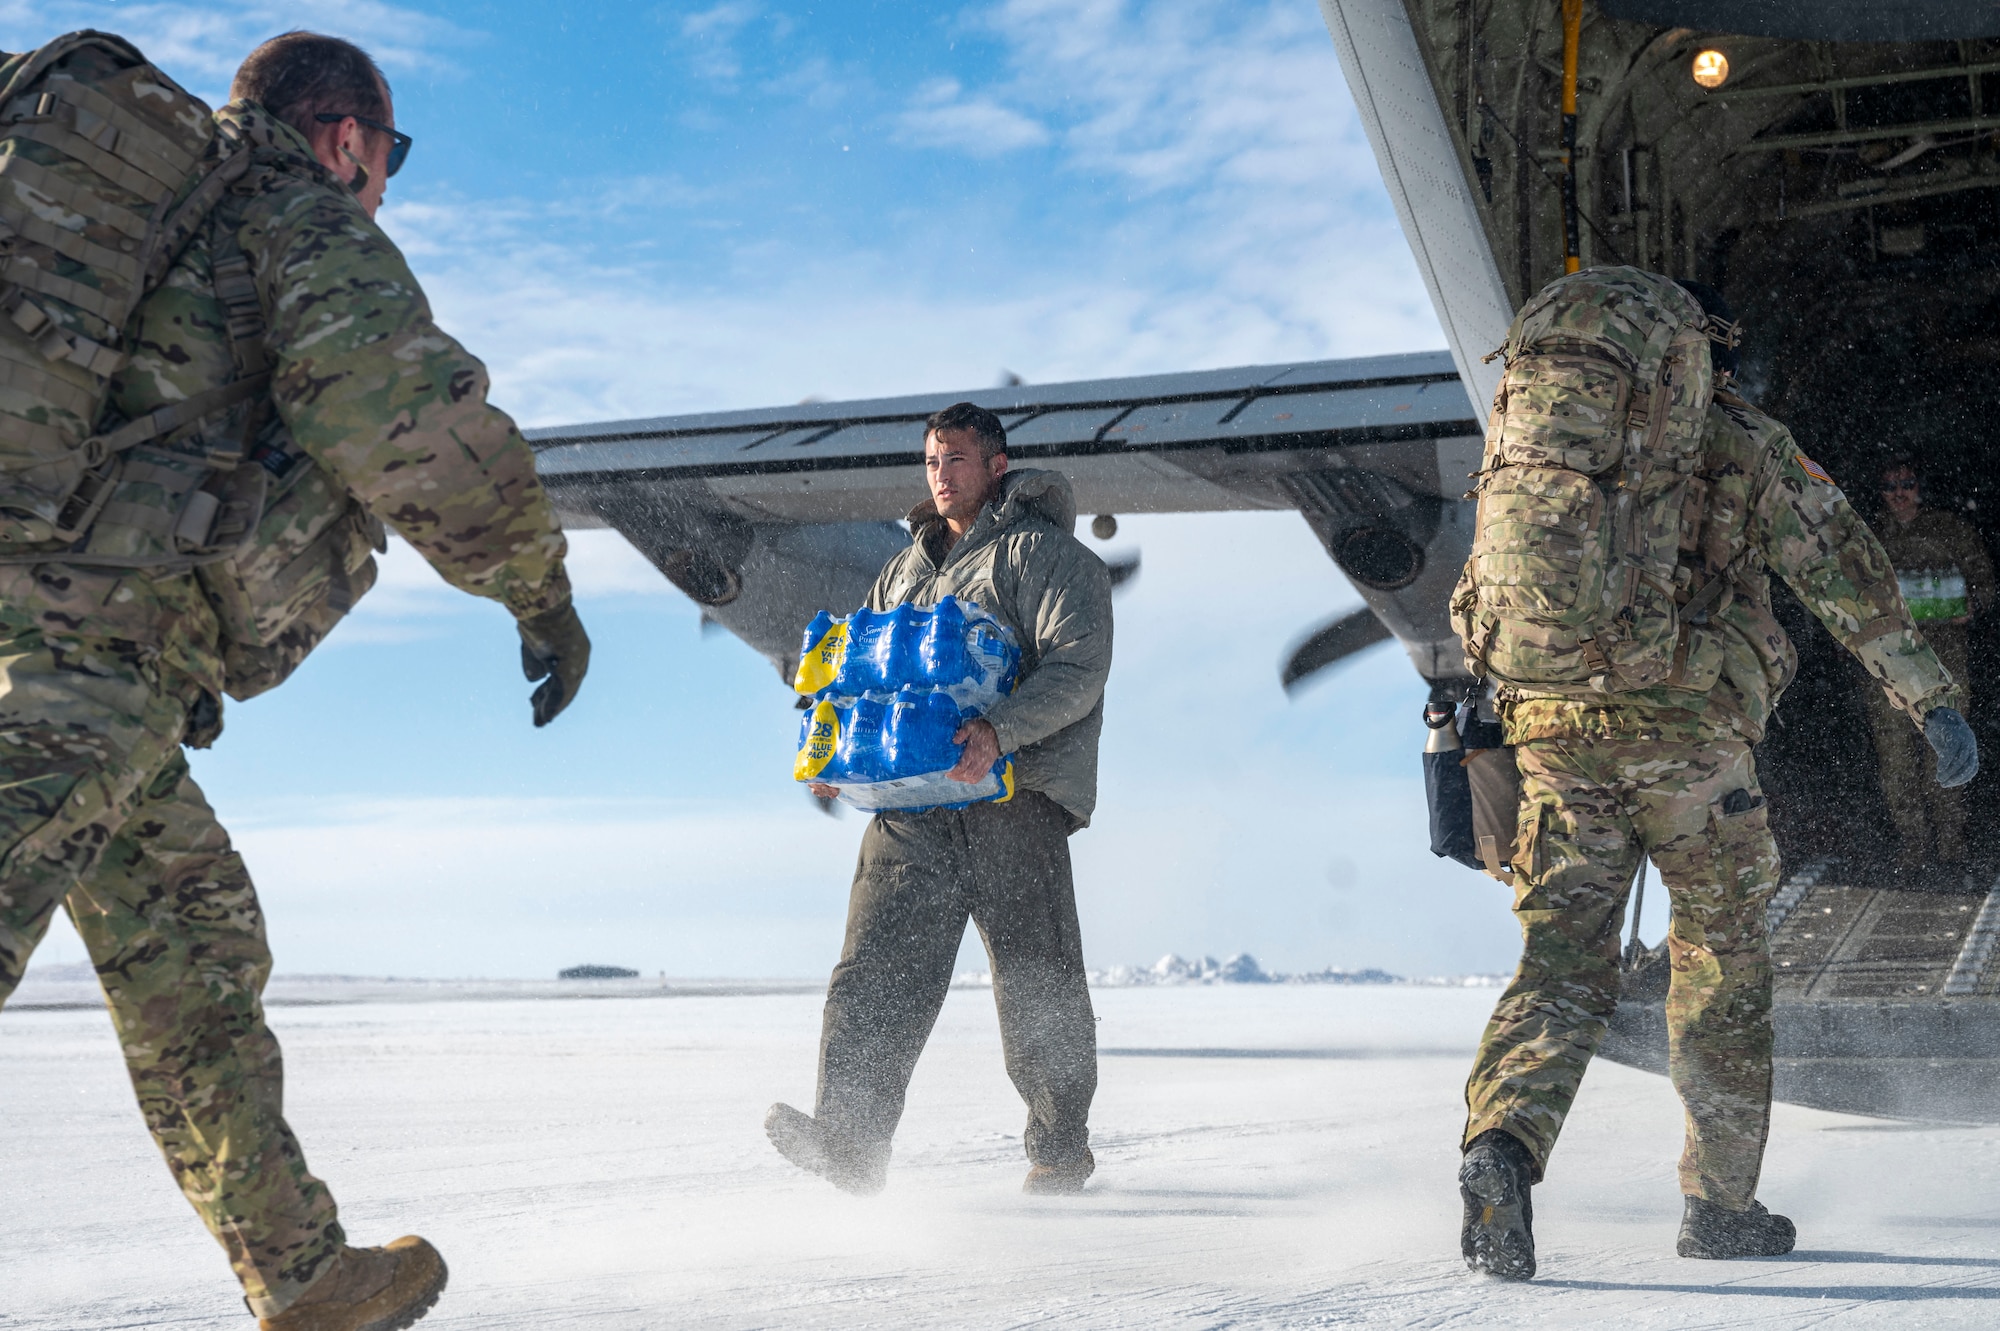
(1640, 413)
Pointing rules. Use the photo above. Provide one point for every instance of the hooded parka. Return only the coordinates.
(1020, 563)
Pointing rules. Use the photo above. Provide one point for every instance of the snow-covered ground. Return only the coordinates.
(1269, 1156)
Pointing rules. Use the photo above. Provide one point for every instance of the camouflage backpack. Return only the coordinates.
(1588, 491)
(108, 169)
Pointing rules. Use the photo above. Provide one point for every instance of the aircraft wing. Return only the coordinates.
(766, 517)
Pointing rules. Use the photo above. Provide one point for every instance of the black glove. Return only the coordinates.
(1957, 749)
(553, 644)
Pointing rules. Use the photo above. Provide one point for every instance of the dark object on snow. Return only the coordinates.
(1499, 1232)
(1708, 1230)
(597, 973)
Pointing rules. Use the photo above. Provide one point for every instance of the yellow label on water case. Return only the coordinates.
(822, 738)
(819, 665)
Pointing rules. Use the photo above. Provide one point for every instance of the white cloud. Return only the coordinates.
(1188, 93)
(711, 34)
(724, 20)
(940, 116)
(1257, 232)
(202, 46)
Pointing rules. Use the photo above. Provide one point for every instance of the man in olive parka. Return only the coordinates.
(1002, 540)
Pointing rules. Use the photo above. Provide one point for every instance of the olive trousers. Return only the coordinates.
(920, 876)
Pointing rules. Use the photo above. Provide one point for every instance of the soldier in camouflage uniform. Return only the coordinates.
(1927, 542)
(106, 672)
(1667, 772)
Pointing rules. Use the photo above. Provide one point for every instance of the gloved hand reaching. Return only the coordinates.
(1957, 748)
(554, 645)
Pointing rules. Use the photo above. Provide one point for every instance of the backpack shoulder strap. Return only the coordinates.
(165, 244)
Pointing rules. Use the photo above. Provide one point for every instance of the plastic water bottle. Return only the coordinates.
(941, 721)
(862, 757)
(990, 647)
(863, 670)
(941, 657)
(918, 737)
(899, 651)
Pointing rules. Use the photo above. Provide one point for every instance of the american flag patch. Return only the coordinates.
(1813, 469)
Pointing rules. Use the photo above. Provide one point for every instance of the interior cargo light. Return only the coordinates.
(1711, 69)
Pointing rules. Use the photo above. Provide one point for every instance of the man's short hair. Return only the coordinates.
(985, 427)
(298, 75)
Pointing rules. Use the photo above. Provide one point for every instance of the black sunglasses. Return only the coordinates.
(399, 149)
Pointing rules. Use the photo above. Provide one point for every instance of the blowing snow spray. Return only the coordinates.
(889, 689)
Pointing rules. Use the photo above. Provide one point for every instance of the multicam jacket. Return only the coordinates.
(1020, 563)
(1770, 509)
(379, 404)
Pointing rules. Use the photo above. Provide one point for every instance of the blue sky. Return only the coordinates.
(643, 210)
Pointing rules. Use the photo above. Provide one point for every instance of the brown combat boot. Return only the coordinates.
(369, 1289)
(1064, 1180)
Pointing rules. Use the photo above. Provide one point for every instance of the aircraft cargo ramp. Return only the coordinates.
(1886, 1000)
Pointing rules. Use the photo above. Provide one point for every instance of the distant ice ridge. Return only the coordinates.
(1242, 968)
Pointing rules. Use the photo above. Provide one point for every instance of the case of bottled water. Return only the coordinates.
(889, 689)
(1934, 593)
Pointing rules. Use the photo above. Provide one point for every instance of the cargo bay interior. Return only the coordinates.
(1845, 196)
(1831, 167)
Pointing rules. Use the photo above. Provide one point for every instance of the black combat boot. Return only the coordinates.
(1499, 1234)
(1708, 1230)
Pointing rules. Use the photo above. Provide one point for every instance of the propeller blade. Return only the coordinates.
(1123, 568)
(1329, 644)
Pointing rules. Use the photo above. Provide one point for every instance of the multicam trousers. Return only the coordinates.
(1590, 808)
(98, 814)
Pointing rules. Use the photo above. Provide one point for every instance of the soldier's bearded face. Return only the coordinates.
(961, 479)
